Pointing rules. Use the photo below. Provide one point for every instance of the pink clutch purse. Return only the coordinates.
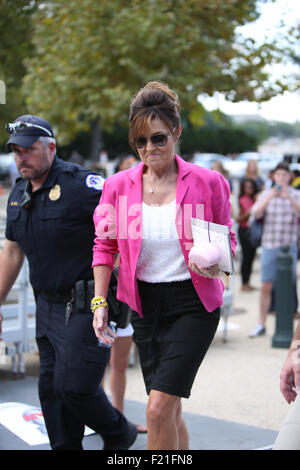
(205, 255)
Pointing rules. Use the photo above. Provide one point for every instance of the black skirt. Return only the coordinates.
(173, 336)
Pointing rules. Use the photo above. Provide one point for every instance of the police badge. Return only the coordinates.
(55, 193)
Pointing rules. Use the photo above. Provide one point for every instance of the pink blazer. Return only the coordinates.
(200, 193)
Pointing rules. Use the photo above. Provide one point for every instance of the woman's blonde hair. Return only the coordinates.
(155, 101)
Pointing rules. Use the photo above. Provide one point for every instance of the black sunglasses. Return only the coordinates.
(159, 140)
(26, 201)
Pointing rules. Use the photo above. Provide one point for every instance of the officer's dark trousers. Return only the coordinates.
(71, 368)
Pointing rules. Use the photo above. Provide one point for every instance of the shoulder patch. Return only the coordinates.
(94, 181)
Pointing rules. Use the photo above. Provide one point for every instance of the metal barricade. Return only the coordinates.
(18, 326)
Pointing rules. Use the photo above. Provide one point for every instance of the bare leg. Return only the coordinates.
(183, 434)
(265, 301)
(166, 427)
(118, 364)
(117, 379)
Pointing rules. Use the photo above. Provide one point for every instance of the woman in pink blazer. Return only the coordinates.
(145, 215)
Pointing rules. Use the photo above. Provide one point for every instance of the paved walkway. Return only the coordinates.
(205, 433)
(235, 403)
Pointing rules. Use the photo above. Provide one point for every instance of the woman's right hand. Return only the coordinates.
(101, 328)
(290, 373)
(210, 272)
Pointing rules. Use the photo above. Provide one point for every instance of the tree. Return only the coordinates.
(92, 56)
(223, 139)
(16, 31)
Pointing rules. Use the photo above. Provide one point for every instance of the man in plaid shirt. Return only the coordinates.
(280, 208)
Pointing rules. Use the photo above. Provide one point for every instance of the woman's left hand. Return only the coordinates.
(101, 328)
(211, 272)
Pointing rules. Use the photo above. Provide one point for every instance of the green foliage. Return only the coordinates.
(259, 130)
(115, 143)
(284, 129)
(92, 56)
(224, 140)
(222, 136)
(16, 32)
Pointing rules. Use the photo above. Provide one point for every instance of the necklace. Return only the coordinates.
(154, 186)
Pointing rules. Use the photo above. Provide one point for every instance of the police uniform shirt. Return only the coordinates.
(56, 232)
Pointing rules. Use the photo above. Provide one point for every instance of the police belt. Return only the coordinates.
(80, 295)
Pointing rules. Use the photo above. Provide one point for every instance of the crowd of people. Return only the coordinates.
(75, 228)
(275, 202)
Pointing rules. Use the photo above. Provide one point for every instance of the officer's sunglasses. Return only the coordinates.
(158, 140)
(15, 127)
(26, 201)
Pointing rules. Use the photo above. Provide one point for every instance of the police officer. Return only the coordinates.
(50, 221)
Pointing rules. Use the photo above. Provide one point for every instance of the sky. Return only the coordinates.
(285, 107)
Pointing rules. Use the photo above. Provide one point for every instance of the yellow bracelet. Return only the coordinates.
(98, 299)
(98, 302)
(97, 305)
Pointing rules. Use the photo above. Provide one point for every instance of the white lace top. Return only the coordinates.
(161, 258)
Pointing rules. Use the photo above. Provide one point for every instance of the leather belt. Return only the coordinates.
(80, 295)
